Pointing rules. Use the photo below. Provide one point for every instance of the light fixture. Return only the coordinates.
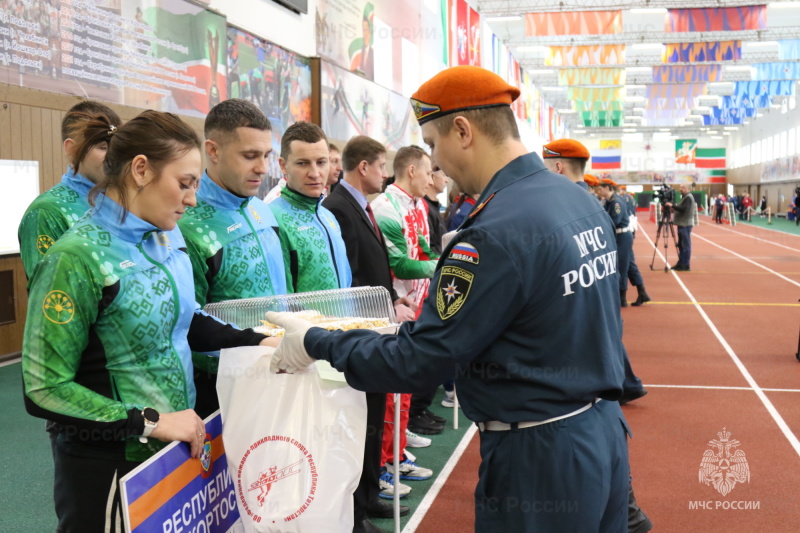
(730, 128)
(637, 109)
(635, 99)
(649, 10)
(633, 117)
(579, 131)
(542, 71)
(629, 124)
(629, 130)
(553, 89)
(664, 129)
(502, 18)
(759, 115)
(738, 68)
(532, 48)
(638, 69)
(566, 111)
(712, 132)
(647, 46)
(720, 137)
(636, 87)
(726, 133)
(762, 43)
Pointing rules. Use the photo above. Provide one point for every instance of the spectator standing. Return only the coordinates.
(435, 221)
(684, 219)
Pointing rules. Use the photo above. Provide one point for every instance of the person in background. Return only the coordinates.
(335, 168)
(313, 249)
(119, 396)
(231, 235)
(436, 224)
(762, 208)
(497, 328)
(747, 205)
(364, 161)
(53, 212)
(684, 219)
(719, 207)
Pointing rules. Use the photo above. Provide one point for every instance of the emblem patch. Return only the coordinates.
(464, 251)
(452, 290)
(43, 242)
(617, 209)
(422, 110)
(58, 307)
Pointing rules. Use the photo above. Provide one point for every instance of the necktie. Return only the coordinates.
(372, 219)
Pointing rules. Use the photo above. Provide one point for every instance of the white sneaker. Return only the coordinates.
(387, 486)
(411, 471)
(415, 441)
(449, 399)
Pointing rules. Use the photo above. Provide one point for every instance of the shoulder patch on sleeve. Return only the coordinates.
(464, 251)
(617, 208)
(58, 307)
(43, 242)
(452, 290)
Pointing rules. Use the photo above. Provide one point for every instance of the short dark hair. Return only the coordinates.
(361, 148)
(228, 115)
(333, 148)
(307, 132)
(576, 164)
(162, 137)
(497, 123)
(407, 155)
(83, 111)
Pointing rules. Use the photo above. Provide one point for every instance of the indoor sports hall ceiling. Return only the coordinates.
(612, 66)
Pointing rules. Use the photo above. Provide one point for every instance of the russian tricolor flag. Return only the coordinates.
(608, 156)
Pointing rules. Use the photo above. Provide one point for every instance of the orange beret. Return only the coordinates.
(567, 148)
(591, 180)
(458, 89)
(607, 181)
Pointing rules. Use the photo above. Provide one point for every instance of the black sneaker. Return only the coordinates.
(436, 418)
(424, 426)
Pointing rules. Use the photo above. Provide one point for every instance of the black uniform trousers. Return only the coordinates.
(366, 494)
(86, 490)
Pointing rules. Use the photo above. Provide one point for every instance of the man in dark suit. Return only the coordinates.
(364, 162)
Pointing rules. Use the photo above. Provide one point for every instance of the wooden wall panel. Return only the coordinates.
(11, 334)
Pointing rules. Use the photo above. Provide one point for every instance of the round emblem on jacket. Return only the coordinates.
(43, 242)
(58, 307)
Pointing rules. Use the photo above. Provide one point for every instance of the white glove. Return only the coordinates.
(291, 355)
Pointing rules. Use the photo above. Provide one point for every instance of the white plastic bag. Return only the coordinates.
(294, 444)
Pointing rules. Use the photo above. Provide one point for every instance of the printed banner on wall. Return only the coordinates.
(573, 23)
(159, 54)
(685, 151)
(668, 177)
(784, 168)
(465, 32)
(354, 106)
(274, 79)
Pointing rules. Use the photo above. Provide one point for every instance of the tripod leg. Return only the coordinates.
(655, 245)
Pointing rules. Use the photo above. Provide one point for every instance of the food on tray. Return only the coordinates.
(327, 322)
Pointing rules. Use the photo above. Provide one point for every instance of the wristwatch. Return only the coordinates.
(151, 418)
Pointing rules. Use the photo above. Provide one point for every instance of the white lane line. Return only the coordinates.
(415, 520)
(752, 382)
(763, 240)
(793, 282)
(714, 387)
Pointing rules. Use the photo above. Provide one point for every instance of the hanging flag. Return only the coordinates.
(591, 76)
(608, 156)
(573, 23)
(702, 52)
(789, 49)
(717, 176)
(601, 119)
(687, 73)
(717, 19)
(710, 158)
(685, 151)
(611, 105)
(595, 54)
(777, 71)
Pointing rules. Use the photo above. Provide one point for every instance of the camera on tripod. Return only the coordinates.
(665, 194)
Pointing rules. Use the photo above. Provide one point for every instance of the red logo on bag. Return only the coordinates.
(275, 451)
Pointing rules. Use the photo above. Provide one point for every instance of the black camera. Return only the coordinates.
(665, 194)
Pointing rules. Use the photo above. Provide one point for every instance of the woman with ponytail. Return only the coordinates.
(112, 320)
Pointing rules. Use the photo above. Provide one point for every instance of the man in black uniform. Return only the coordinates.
(534, 262)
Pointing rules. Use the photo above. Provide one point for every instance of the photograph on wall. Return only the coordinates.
(354, 106)
(274, 79)
(385, 42)
(158, 54)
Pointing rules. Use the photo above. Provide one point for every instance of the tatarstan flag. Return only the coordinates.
(709, 158)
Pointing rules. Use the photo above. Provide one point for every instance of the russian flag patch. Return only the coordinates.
(464, 251)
